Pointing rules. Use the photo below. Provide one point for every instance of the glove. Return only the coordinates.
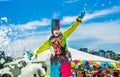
(30, 55)
(82, 15)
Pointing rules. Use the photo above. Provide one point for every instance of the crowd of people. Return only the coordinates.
(80, 71)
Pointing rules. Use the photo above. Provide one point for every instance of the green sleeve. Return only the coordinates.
(71, 29)
(46, 45)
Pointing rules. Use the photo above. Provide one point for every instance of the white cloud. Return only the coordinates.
(4, 19)
(71, 1)
(30, 40)
(34, 24)
(18, 47)
(3, 37)
(69, 19)
(103, 32)
(107, 31)
(102, 13)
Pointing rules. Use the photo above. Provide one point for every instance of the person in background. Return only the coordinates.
(60, 62)
(35, 75)
(6, 75)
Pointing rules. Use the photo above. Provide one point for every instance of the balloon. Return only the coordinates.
(102, 66)
(106, 64)
(115, 68)
(97, 65)
(90, 63)
(86, 63)
(75, 61)
(79, 61)
(111, 65)
(95, 72)
(72, 64)
(114, 64)
(91, 67)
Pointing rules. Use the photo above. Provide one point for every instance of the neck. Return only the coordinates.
(58, 35)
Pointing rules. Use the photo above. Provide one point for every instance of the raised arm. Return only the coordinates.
(46, 45)
(72, 28)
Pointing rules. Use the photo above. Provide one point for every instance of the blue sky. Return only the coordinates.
(26, 24)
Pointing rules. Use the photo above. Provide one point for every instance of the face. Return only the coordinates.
(56, 32)
(81, 66)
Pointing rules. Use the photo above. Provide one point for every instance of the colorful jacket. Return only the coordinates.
(47, 44)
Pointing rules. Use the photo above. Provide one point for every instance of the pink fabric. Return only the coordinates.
(65, 69)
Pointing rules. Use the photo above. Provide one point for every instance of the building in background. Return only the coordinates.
(102, 53)
(107, 54)
(84, 49)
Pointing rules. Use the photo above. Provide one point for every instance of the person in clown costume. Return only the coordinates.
(60, 63)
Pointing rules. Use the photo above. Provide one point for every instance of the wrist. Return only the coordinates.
(78, 19)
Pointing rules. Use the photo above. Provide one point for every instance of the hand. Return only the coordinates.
(35, 56)
(81, 15)
(30, 55)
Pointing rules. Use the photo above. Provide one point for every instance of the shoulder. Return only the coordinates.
(51, 37)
